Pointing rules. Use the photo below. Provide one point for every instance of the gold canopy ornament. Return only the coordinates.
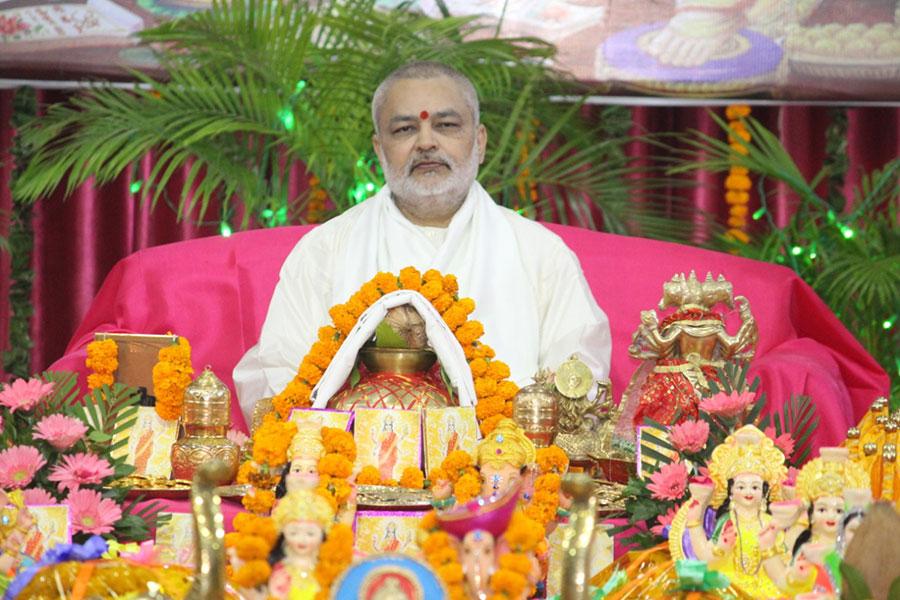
(829, 475)
(747, 450)
(507, 443)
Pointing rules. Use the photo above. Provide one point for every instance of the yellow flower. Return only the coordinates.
(451, 286)
(386, 282)
(498, 370)
(252, 574)
(369, 476)
(335, 465)
(442, 302)
(469, 332)
(506, 390)
(488, 424)
(466, 488)
(433, 275)
(431, 290)
(508, 583)
(410, 278)
(412, 478)
(369, 292)
(734, 197)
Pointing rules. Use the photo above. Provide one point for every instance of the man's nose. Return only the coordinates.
(426, 140)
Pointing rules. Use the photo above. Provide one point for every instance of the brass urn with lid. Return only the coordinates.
(205, 422)
(536, 409)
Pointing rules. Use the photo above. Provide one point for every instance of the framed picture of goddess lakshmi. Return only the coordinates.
(388, 439)
(449, 429)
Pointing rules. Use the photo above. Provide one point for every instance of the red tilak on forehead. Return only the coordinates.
(423, 115)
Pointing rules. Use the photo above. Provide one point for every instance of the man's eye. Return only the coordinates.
(404, 129)
(448, 125)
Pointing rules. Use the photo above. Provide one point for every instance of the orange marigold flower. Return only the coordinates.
(478, 367)
(431, 290)
(429, 521)
(466, 304)
(482, 351)
(738, 235)
(454, 317)
(412, 478)
(443, 556)
(488, 406)
(369, 293)
(738, 182)
(508, 583)
(309, 372)
(451, 285)
(490, 423)
(469, 331)
(369, 476)
(523, 534)
(506, 390)
(517, 562)
(737, 222)
(252, 574)
(484, 387)
(335, 465)
(451, 573)
(96, 380)
(455, 462)
(250, 547)
(320, 354)
(433, 275)
(738, 133)
(340, 442)
(739, 148)
(736, 111)
(390, 483)
(736, 170)
(386, 282)
(548, 483)
(739, 210)
(466, 488)
(552, 459)
(356, 306)
(328, 333)
(259, 501)
(508, 409)
(442, 302)
(410, 278)
(435, 542)
(734, 197)
(498, 370)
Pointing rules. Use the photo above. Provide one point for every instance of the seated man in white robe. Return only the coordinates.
(529, 289)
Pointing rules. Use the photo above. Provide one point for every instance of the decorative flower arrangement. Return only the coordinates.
(58, 448)
(679, 456)
(336, 466)
(458, 469)
(516, 573)
(552, 465)
(494, 391)
(441, 554)
(737, 183)
(412, 478)
(248, 548)
(171, 375)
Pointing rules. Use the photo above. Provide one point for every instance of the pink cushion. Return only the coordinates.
(215, 291)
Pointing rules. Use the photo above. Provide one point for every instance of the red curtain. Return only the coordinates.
(77, 240)
(6, 170)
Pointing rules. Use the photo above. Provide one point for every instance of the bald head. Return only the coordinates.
(425, 70)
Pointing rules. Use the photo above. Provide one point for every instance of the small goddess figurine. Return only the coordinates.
(504, 456)
(821, 485)
(747, 471)
(302, 471)
(303, 518)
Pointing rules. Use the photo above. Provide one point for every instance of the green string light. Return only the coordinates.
(267, 213)
(135, 187)
(796, 250)
(759, 213)
(847, 232)
(286, 115)
(301, 85)
(812, 255)
(225, 229)
(888, 323)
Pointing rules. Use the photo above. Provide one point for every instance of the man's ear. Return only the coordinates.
(481, 137)
(376, 145)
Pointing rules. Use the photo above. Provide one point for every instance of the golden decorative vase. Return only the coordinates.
(536, 410)
(395, 378)
(206, 419)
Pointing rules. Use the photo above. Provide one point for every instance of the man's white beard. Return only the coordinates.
(432, 201)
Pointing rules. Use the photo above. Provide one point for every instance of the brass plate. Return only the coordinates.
(392, 497)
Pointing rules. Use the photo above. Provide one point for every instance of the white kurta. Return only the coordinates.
(529, 290)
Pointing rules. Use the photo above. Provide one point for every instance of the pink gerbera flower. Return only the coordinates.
(60, 431)
(783, 442)
(38, 497)
(669, 482)
(80, 469)
(18, 466)
(727, 405)
(22, 394)
(689, 436)
(664, 521)
(91, 513)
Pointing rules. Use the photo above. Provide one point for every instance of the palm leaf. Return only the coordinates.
(64, 395)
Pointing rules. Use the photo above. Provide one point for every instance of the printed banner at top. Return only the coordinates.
(800, 50)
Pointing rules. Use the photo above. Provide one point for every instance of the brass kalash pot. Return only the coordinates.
(396, 378)
(206, 419)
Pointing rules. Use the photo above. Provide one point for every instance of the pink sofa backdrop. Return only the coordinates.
(215, 291)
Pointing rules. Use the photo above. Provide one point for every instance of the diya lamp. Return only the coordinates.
(205, 422)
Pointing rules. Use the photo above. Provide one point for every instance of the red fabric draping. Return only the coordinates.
(79, 239)
(6, 169)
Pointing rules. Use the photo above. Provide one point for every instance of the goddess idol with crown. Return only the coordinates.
(747, 471)
(683, 352)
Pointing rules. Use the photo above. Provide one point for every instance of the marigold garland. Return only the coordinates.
(336, 466)
(252, 540)
(738, 184)
(103, 360)
(171, 376)
(523, 535)
(441, 290)
(335, 555)
(442, 557)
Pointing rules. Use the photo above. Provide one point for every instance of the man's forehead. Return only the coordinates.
(434, 95)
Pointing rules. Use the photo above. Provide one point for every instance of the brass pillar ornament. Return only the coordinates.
(205, 422)
(209, 532)
(578, 536)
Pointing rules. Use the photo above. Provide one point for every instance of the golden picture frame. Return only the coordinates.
(388, 439)
(449, 429)
(138, 354)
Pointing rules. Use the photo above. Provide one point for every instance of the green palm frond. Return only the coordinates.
(252, 87)
(850, 256)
